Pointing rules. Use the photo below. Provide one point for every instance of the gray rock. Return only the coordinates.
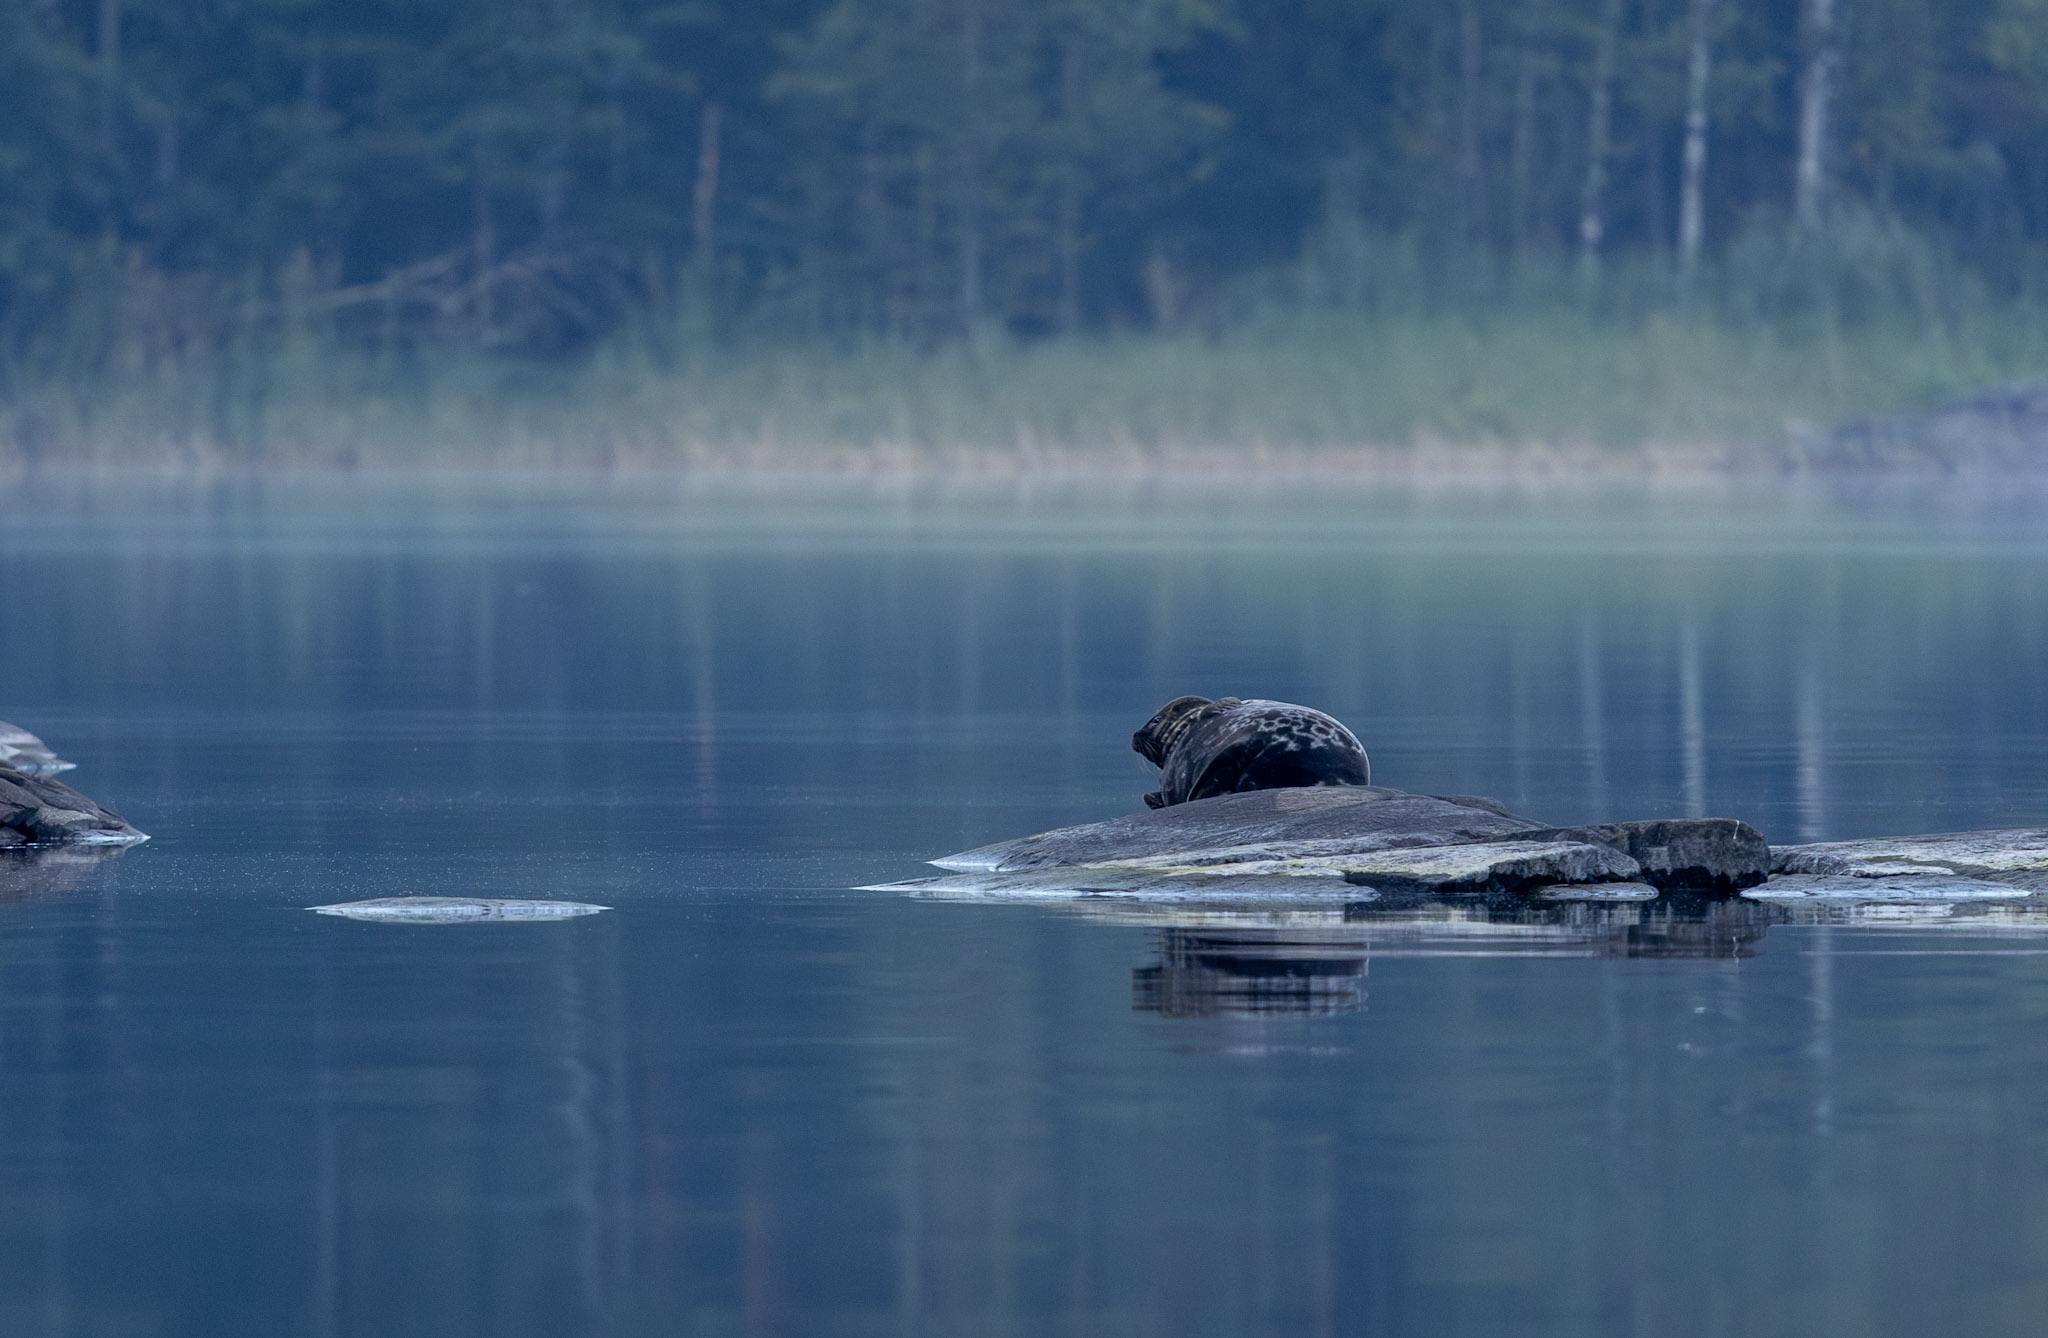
(26, 753)
(39, 811)
(1473, 868)
(2004, 429)
(456, 910)
(2016, 857)
(1718, 856)
(1154, 887)
(1482, 868)
(1260, 824)
(1597, 892)
(1919, 887)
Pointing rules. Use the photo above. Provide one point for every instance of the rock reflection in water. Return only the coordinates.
(35, 872)
(1246, 963)
(1250, 971)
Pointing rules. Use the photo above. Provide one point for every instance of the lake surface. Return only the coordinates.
(749, 1101)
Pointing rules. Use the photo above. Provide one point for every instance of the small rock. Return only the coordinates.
(40, 811)
(26, 753)
(456, 910)
(1797, 887)
(1597, 892)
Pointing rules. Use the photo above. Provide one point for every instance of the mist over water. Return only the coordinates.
(747, 1100)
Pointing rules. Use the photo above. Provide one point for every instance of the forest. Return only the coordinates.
(302, 227)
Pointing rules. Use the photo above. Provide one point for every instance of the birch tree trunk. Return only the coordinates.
(1472, 221)
(1067, 207)
(876, 291)
(1522, 148)
(704, 194)
(1816, 105)
(109, 41)
(970, 169)
(1692, 188)
(1593, 191)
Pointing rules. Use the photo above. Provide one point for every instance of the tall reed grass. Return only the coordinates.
(1364, 342)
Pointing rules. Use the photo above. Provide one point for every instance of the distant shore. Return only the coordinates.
(1426, 464)
(1533, 396)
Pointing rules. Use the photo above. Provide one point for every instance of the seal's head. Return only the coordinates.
(1164, 729)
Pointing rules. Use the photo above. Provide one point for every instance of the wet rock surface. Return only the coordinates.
(39, 811)
(1711, 855)
(456, 910)
(2015, 856)
(1387, 846)
(1795, 887)
(1260, 824)
(1490, 867)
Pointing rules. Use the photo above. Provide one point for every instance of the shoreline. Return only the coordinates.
(1431, 464)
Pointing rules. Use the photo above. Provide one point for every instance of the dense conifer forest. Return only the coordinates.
(275, 225)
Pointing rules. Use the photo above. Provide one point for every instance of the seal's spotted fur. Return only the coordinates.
(1204, 748)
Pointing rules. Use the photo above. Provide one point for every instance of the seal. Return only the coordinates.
(1205, 748)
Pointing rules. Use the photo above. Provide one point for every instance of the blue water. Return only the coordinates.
(749, 1101)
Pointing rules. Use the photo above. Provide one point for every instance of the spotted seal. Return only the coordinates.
(1204, 748)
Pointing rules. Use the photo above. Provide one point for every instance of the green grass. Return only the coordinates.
(1545, 375)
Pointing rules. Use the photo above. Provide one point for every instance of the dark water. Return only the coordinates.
(747, 1101)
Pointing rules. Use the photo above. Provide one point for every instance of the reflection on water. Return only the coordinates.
(1240, 962)
(1217, 961)
(28, 874)
(1213, 972)
(746, 1102)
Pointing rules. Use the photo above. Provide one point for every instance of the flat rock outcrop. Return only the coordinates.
(40, 811)
(2014, 856)
(1369, 844)
(1257, 825)
(1380, 842)
(26, 753)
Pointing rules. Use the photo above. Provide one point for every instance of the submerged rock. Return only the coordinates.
(38, 811)
(26, 753)
(456, 910)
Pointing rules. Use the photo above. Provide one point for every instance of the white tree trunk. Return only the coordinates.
(1692, 189)
(1472, 222)
(970, 170)
(1816, 105)
(704, 196)
(109, 38)
(1593, 192)
(1522, 148)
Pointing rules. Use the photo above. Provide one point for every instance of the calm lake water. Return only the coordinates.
(749, 1101)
